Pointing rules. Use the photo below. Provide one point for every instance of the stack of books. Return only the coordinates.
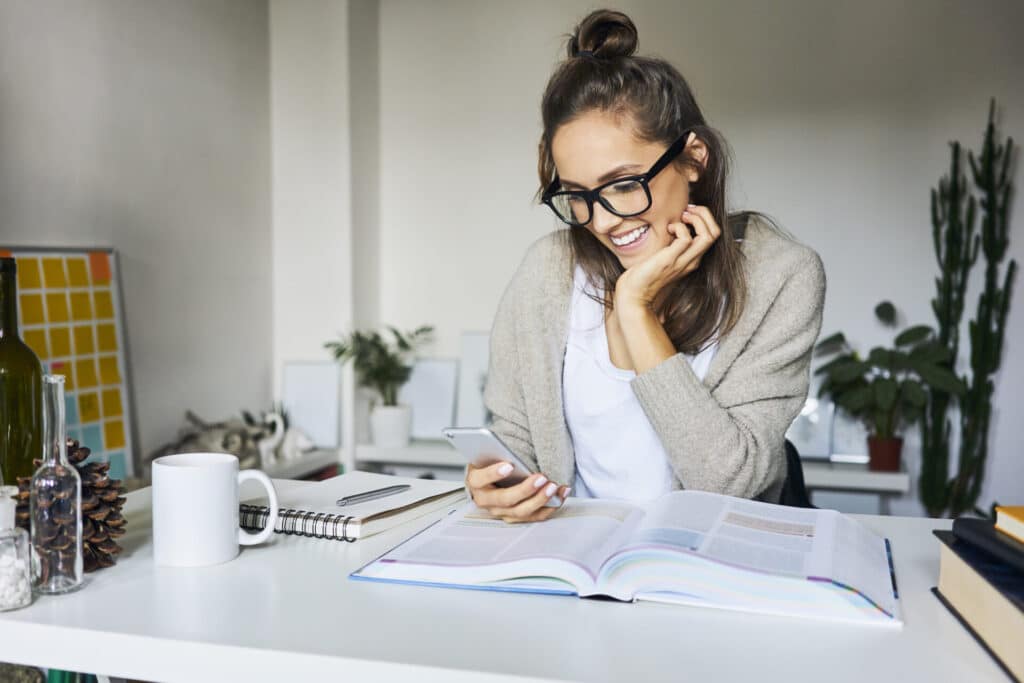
(981, 581)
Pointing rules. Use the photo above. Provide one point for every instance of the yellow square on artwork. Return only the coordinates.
(28, 274)
(88, 407)
(36, 340)
(81, 306)
(83, 340)
(106, 337)
(32, 309)
(57, 307)
(109, 372)
(60, 342)
(78, 273)
(113, 435)
(104, 304)
(85, 371)
(112, 403)
(53, 273)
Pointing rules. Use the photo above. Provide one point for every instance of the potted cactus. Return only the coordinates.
(887, 389)
(384, 367)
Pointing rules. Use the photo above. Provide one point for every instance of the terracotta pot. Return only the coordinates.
(884, 453)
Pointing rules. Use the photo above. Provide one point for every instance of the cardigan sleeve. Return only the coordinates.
(731, 440)
(503, 391)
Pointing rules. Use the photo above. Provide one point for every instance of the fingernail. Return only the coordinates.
(505, 469)
(692, 206)
(550, 490)
(567, 492)
(540, 481)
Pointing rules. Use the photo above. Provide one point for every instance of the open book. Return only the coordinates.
(687, 547)
(309, 508)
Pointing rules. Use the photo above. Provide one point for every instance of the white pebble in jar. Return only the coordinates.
(15, 568)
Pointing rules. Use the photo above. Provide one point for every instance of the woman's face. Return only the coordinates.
(598, 147)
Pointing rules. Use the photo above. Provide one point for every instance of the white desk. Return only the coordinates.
(288, 612)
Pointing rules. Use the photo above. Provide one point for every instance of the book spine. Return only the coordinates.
(299, 523)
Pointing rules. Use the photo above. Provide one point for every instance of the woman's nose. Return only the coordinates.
(603, 221)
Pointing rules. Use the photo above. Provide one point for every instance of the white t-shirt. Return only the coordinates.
(618, 453)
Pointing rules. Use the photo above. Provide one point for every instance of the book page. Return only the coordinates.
(742, 533)
(583, 532)
(861, 560)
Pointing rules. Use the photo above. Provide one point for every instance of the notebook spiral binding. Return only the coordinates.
(297, 523)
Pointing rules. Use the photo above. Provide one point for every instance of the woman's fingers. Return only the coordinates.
(706, 232)
(533, 506)
(478, 477)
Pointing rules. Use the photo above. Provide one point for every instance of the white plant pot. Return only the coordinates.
(390, 426)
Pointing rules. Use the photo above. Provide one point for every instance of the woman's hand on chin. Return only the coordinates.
(638, 286)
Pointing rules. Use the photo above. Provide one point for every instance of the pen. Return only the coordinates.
(373, 495)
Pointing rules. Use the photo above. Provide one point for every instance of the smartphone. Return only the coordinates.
(481, 447)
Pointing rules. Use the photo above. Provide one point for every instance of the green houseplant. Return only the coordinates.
(887, 389)
(383, 366)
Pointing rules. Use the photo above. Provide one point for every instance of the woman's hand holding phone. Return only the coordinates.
(522, 502)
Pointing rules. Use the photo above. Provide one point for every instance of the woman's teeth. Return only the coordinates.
(630, 237)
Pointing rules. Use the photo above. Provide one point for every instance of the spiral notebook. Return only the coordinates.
(310, 508)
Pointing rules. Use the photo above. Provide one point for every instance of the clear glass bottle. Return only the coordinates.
(15, 556)
(56, 502)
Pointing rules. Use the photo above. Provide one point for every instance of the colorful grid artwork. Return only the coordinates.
(70, 315)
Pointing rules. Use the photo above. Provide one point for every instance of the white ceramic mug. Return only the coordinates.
(195, 509)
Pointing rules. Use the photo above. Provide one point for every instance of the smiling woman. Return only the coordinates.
(648, 347)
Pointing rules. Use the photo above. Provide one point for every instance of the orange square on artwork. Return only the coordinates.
(106, 337)
(109, 372)
(88, 407)
(63, 368)
(36, 340)
(57, 307)
(60, 342)
(83, 340)
(53, 273)
(28, 274)
(78, 273)
(85, 371)
(112, 403)
(104, 304)
(32, 309)
(81, 306)
(99, 266)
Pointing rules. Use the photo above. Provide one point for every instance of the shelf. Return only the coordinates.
(423, 453)
(853, 477)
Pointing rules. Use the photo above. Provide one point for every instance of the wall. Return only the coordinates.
(838, 115)
(143, 126)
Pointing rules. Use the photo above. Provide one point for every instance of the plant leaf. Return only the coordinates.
(886, 312)
(913, 335)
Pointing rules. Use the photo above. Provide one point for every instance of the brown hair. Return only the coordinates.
(602, 73)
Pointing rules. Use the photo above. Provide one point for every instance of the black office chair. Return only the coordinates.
(794, 491)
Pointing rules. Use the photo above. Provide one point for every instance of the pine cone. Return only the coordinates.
(102, 501)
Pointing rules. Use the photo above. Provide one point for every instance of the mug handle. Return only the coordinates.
(246, 538)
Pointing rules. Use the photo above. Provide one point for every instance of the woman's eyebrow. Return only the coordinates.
(607, 176)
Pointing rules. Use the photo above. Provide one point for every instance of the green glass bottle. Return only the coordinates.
(21, 387)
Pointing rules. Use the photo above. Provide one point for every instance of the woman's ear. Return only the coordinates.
(697, 151)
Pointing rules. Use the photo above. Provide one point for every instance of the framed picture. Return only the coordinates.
(430, 392)
(312, 399)
(71, 314)
(473, 360)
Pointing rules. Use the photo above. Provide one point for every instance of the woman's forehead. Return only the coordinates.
(588, 146)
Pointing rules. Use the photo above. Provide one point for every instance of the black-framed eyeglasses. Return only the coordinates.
(626, 196)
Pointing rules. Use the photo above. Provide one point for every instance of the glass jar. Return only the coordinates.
(15, 558)
(55, 502)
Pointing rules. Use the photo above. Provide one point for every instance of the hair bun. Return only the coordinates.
(605, 34)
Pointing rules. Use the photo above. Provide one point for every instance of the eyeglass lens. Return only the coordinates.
(626, 198)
